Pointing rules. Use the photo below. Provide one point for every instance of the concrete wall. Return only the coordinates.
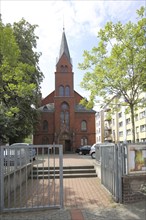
(13, 180)
(97, 167)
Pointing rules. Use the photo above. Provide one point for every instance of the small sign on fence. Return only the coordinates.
(136, 158)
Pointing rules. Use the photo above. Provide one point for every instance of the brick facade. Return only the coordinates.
(63, 120)
(131, 188)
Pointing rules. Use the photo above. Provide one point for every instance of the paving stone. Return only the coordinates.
(88, 196)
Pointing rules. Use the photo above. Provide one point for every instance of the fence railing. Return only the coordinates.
(29, 181)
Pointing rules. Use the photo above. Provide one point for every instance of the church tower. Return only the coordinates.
(63, 119)
(64, 97)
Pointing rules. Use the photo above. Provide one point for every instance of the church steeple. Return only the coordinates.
(64, 47)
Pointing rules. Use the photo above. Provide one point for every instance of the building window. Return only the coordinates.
(64, 68)
(64, 106)
(83, 126)
(67, 91)
(137, 129)
(64, 115)
(142, 114)
(84, 141)
(67, 118)
(143, 139)
(129, 141)
(143, 128)
(120, 114)
(45, 125)
(61, 90)
(136, 117)
(128, 131)
(120, 124)
(127, 121)
(121, 133)
(113, 121)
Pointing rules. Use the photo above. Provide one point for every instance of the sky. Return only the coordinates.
(81, 19)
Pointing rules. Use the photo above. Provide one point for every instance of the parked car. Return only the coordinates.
(15, 156)
(32, 151)
(83, 149)
(92, 151)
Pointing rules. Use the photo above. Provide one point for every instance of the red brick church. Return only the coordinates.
(63, 119)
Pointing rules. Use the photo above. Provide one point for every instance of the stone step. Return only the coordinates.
(64, 168)
(68, 172)
(75, 175)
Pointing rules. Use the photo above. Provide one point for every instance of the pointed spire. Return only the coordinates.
(64, 47)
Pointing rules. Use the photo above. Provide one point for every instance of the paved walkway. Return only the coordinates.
(84, 199)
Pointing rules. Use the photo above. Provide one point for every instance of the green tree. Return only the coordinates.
(117, 66)
(20, 81)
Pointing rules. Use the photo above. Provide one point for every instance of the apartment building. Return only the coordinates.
(116, 126)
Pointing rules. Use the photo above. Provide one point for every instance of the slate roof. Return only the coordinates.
(64, 47)
(78, 108)
(81, 108)
(47, 108)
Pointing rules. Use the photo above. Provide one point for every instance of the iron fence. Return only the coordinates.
(27, 183)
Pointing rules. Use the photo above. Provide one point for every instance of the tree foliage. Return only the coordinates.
(117, 66)
(20, 79)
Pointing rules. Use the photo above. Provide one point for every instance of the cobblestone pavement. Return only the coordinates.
(136, 211)
(84, 199)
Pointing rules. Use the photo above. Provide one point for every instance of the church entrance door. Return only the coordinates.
(67, 146)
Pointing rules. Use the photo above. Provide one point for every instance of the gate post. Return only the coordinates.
(1, 178)
(116, 179)
(61, 174)
(121, 169)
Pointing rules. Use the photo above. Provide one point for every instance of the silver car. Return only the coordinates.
(92, 151)
(15, 156)
(31, 150)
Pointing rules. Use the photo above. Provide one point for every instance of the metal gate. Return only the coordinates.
(113, 166)
(28, 183)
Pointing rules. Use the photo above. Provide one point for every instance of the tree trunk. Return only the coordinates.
(133, 123)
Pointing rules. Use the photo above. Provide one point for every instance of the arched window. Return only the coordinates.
(83, 125)
(45, 125)
(61, 90)
(84, 141)
(64, 106)
(67, 91)
(64, 115)
(62, 68)
(67, 118)
(65, 68)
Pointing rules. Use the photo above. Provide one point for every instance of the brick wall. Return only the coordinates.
(131, 188)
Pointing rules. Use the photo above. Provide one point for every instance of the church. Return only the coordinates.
(63, 119)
